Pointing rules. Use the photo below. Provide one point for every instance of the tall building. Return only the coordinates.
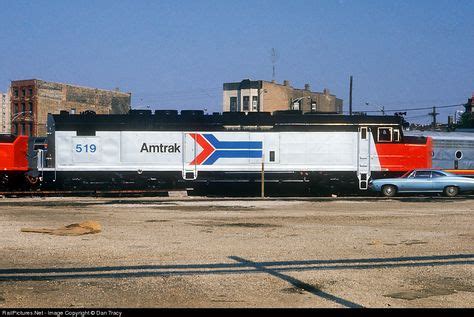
(260, 95)
(5, 118)
(33, 99)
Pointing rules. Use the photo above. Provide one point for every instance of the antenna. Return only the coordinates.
(274, 60)
(350, 96)
(434, 114)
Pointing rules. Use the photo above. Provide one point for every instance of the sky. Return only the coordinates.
(176, 54)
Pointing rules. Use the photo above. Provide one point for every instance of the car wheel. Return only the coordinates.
(389, 190)
(451, 191)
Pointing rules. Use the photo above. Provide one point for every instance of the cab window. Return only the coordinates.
(384, 135)
(396, 135)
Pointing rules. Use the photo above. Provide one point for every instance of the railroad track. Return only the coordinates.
(80, 193)
(177, 195)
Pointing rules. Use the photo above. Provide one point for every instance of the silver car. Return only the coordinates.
(423, 181)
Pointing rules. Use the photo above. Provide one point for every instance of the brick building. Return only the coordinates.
(5, 117)
(259, 95)
(32, 100)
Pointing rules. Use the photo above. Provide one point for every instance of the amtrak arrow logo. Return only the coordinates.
(214, 149)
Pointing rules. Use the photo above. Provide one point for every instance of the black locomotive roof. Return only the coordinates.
(143, 120)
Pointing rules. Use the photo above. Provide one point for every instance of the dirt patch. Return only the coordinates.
(209, 208)
(75, 229)
(248, 225)
(412, 242)
(293, 290)
(404, 242)
(423, 293)
(236, 224)
(437, 287)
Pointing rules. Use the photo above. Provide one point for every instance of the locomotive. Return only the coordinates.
(13, 160)
(452, 151)
(231, 152)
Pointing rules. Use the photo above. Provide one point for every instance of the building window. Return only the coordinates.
(233, 104)
(31, 91)
(254, 103)
(16, 108)
(23, 92)
(30, 106)
(296, 105)
(313, 106)
(31, 129)
(23, 107)
(245, 104)
(15, 92)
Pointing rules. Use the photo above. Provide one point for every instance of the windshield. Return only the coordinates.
(406, 174)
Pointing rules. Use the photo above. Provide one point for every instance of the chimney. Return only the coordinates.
(307, 87)
(326, 91)
(286, 83)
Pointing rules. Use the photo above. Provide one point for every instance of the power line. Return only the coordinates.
(414, 109)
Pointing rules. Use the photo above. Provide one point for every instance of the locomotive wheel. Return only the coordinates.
(451, 191)
(32, 180)
(389, 190)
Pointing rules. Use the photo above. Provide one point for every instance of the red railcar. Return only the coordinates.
(13, 160)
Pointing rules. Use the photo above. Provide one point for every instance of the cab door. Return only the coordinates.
(363, 157)
(189, 171)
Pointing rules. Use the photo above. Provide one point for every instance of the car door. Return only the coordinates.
(421, 182)
(403, 183)
(438, 181)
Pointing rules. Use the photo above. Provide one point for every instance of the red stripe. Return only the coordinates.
(207, 149)
(460, 172)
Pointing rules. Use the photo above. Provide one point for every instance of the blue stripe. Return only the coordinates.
(232, 154)
(242, 145)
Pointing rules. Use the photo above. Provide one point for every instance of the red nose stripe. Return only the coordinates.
(207, 149)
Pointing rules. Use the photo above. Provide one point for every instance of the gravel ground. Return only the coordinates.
(162, 252)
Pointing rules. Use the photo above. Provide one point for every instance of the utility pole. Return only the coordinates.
(434, 114)
(350, 97)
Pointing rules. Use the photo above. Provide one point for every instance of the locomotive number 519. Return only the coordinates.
(86, 148)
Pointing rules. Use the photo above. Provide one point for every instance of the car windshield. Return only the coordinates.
(406, 174)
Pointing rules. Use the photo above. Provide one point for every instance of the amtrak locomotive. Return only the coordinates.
(167, 150)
